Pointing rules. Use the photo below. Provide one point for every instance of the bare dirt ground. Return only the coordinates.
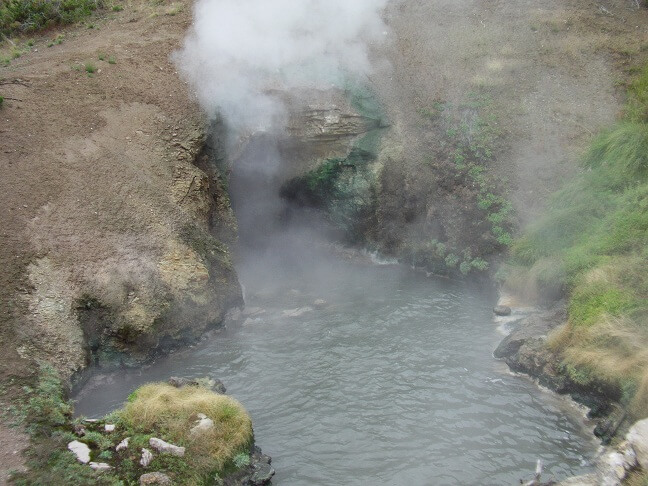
(90, 164)
(88, 160)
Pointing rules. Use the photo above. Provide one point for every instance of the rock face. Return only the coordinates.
(525, 351)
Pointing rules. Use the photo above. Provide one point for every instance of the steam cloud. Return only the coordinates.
(239, 53)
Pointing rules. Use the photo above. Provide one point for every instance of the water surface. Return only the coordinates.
(392, 382)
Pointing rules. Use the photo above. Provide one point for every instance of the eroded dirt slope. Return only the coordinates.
(104, 244)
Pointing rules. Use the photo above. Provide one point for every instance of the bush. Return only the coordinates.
(22, 16)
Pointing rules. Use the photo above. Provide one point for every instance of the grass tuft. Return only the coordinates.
(171, 412)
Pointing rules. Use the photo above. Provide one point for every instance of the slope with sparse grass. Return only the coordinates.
(593, 245)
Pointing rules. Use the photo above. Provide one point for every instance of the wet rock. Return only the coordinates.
(637, 437)
(100, 466)
(214, 385)
(298, 312)
(123, 445)
(80, 450)
(166, 448)
(155, 478)
(147, 457)
(532, 327)
(262, 475)
(258, 473)
(502, 310)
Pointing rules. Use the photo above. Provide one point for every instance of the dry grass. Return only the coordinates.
(613, 350)
(172, 412)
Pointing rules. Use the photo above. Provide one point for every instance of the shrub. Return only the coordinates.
(32, 15)
(171, 412)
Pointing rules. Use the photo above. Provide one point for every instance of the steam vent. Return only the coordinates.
(324, 242)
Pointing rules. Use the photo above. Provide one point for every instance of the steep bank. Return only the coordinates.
(116, 226)
(590, 247)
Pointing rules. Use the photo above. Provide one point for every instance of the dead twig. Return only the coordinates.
(18, 81)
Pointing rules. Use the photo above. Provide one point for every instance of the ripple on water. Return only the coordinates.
(393, 383)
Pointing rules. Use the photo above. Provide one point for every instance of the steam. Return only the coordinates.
(240, 54)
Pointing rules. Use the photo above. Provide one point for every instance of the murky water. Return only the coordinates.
(391, 382)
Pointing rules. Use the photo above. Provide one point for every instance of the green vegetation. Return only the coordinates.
(22, 16)
(154, 410)
(90, 68)
(167, 412)
(470, 136)
(593, 245)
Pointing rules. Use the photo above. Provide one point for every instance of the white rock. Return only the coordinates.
(611, 469)
(203, 424)
(123, 444)
(109, 427)
(100, 466)
(80, 450)
(585, 480)
(147, 457)
(164, 447)
(637, 437)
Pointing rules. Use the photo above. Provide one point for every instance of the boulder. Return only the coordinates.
(637, 437)
(502, 310)
(122, 445)
(147, 457)
(155, 478)
(80, 450)
(214, 385)
(203, 424)
(166, 448)
(109, 427)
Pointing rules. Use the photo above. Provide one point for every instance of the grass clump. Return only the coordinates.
(171, 412)
(22, 16)
(592, 245)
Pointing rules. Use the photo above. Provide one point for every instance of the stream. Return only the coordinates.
(391, 381)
